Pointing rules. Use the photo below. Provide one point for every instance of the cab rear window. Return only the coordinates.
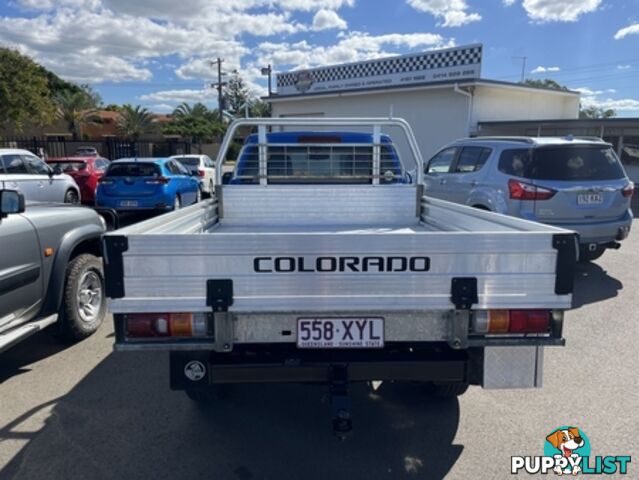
(320, 162)
(133, 170)
(562, 163)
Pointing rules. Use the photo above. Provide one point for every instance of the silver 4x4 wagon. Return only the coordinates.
(578, 184)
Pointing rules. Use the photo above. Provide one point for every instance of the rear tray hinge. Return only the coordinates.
(463, 292)
(219, 296)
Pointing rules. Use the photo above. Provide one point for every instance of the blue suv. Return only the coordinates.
(147, 184)
(574, 183)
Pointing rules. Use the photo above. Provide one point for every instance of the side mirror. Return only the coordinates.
(55, 170)
(226, 178)
(11, 201)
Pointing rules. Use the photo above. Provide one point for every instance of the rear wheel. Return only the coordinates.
(211, 188)
(207, 394)
(449, 390)
(71, 196)
(177, 203)
(198, 195)
(84, 302)
(586, 255)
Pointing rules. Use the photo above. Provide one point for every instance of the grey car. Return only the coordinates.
(21, 170)
(50, 269)
(574, 183)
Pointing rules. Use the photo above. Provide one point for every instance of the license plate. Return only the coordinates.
(129, 203)
(340, 332)
(589, 198)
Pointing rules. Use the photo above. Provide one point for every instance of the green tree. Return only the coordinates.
(596, 112)
(134, 122)
(196, 122)
(236, 95)
(77, 109)
(545, 83)
(260, 108)
(24, 91)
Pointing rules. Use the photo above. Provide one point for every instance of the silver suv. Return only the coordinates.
(575, 183)
(21, 170)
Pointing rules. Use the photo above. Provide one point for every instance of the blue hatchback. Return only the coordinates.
(147, 184)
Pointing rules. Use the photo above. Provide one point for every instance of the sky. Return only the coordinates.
(158, 53)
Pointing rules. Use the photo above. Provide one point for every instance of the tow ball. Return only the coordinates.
(340, 401)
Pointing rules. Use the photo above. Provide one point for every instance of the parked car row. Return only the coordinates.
(129, 184)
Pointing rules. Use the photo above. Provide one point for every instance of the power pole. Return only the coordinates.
(220, 88)
(523, 67)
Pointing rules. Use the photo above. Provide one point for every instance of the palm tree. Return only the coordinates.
(133, 122)
(76, 109)
(184, 110)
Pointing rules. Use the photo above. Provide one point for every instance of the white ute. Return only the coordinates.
(332, 280)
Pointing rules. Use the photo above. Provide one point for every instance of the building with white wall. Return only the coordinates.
(440, 93)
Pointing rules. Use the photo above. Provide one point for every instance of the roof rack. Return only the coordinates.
(503, 139)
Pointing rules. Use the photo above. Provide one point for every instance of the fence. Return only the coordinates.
(110, 148)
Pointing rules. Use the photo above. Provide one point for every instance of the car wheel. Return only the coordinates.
(211, 188)
(448, 390)
(586, 255)
(177, 203)
(208, 394)
(84, 301)
(71, 197)
(198, 195)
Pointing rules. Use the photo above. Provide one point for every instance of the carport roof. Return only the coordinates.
(418, 86)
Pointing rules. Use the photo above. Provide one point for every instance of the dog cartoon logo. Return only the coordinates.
(570, 442)
(303, 81)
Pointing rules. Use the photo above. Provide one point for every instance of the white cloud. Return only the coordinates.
(629, 30)
(591, 98)
(559, 10)
(452, 12)
(352, 47)
(179, 96)
(161, 108)
(541, 69)
(328, 19)
(508, 3)
(623, 67)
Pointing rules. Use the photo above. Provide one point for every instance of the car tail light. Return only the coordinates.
(106, 181)
(201, 172)
(525, 191)
(152, 325)
(157, 181)
(628, 190)
(512, 321)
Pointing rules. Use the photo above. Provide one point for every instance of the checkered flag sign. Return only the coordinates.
(426, 61)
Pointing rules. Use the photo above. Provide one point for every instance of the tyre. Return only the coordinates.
(198, 196)
(177, 203)
(84, 303)
(211, 188)
(586, 255)
(449, 390)
(71, 196)
(207, 394)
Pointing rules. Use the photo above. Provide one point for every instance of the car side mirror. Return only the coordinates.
(55, 170)
(11, 201)
(226, 178)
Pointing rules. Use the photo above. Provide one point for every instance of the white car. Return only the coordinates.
(21, 170)
(205, 168)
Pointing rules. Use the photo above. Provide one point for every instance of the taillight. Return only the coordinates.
(157, 181)
(106, 181)
(201, 172)
(628, 190)
(526, 191)
(512, 321)
(152, 325)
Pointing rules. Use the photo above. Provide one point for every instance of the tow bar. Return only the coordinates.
(340, 401)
